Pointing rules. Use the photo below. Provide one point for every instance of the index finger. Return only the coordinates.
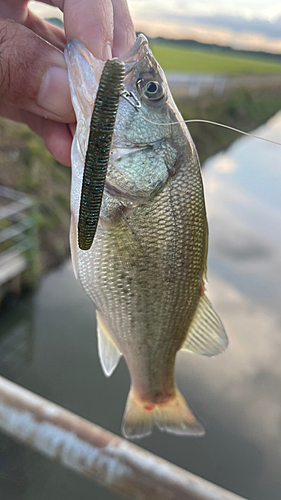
(91, 22)
(124, 33)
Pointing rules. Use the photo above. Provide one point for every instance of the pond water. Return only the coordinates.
(48, 345)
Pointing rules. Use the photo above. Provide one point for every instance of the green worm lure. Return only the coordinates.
(97, 156)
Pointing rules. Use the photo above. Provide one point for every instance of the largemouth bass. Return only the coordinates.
(145, 271)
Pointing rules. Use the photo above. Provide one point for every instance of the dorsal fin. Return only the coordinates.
(206, 334)
(109, 353)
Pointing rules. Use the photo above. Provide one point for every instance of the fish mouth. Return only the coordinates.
(132, 57)
(141, 40)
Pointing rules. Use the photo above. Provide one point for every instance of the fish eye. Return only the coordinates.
(153, 90)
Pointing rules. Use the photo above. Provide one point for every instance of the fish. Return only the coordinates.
(146, 269)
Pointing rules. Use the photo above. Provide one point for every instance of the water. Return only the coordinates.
(48, 345)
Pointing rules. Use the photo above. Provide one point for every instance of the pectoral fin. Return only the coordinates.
(109, 353)
(206, 334)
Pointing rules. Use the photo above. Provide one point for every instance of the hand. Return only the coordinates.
(33, 76)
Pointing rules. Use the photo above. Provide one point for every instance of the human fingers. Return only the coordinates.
(57, 136)
(13, 9)
(33, 74)
(91, 22)
(58, 140)
(124, 33)
(47, 31)
(17, 10)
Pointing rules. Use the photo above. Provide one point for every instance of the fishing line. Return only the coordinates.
(197, 120)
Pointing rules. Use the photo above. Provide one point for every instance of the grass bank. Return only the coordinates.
(27, 166)
(174, 58)
(244, 109)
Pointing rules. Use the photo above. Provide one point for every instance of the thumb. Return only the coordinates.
(33, 74)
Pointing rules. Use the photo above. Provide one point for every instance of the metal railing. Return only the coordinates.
(16, 233)
(95, 453)
(15, 211)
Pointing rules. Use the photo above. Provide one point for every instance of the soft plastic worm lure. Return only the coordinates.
(97, 156)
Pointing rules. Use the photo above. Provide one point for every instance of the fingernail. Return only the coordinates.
(54, 94)
(107, 53)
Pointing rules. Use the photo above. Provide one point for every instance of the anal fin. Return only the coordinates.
(109, 353)
(206, 334)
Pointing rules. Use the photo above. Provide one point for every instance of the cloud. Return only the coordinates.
(271, 29)
(240, 389)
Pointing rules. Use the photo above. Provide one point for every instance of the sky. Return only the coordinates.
(248, 24)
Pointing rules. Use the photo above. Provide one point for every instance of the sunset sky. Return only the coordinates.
(250, 24)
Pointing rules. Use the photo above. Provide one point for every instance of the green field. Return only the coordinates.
(174, 58)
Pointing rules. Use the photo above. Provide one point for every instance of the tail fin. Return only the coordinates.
(171, 416)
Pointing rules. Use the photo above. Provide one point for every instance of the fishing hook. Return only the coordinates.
(131, 98)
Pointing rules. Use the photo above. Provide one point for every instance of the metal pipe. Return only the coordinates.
(120, 466)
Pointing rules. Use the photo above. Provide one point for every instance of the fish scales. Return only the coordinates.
(145, 270)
